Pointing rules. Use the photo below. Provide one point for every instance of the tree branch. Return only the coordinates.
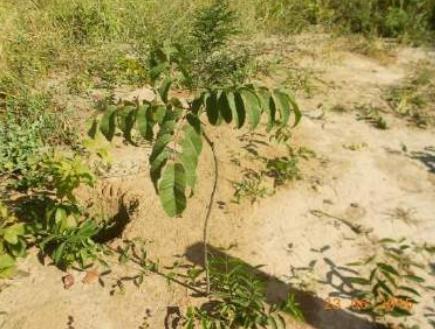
(209, 208)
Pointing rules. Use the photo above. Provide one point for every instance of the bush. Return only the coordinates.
(28, 126)
(409, 20)
(206, 58)
(86, 22)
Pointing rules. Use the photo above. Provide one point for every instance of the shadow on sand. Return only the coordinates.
(315, 309)
(427, 157)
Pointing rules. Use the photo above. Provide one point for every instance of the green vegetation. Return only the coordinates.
(283, 169)
(12, 242)
(51, 217)
(178, 143)
(409, 20)
(391, 288)
(110, 42)
(413, 99)
(371, 115)
(251, 187)
(238, 301)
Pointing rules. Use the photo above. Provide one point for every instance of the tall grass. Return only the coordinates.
(40, 36)
(88, 41)
(410, 20)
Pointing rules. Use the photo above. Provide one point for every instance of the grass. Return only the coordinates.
(251, 187)
(371, 115)
(53, 36)
(413, 98)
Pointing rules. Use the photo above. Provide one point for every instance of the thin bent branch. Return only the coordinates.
(209, 208)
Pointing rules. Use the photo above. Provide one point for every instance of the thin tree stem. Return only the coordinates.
(207, 216)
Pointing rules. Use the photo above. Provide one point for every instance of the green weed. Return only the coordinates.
(414, 97)
(300, 79)
(12, 241)
(29, 126)
(251, 187)
(71, 245)
(371, 115)
(283, 169)
(51, 216)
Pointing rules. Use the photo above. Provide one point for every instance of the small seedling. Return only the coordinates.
(371, 114)
(283, 169)
(251, 187)
(355, 146)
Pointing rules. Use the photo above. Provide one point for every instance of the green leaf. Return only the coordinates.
(144, 122)
(388, 268)
(399, 312)
(268, 106)
(12, 233)
(58, 253)
(191, 148)
(171, 189)
(358, 280)
(414, 278)
(158, 113)
(211, 108)
(126, 119)
(387, 240)
(282, 103)
(240, 110)
(6, 261)
(107, 125)
(7, 266)
(197, 103)
(164, 89)
(236, 116)
(157, 163)
(296, 110)
(18, 249)
(60, 218)
(252, 107)
(224, 108)
(385, 287)
(411, 290)
(160, 152)
(92, 132)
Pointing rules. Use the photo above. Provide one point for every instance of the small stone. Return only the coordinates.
(68, 281)
(91, 277)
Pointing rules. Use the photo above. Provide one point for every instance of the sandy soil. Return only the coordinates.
(364, 185)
